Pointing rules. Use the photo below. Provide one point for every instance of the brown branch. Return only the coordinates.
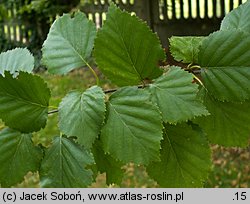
(53, 111)
(110, 91)
(106, 92)
(114, 90)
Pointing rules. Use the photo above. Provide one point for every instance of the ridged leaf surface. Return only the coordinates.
(107, 164)
(133, 129)
(126, 50)
(224, 58)
(24, 102)
(69, 43)
(175, 94)
(228, 124)
(185, 158)
(238, 18)
(19, 59)
(18, 157)
(185, 49)
(64, 165)
(82, 115)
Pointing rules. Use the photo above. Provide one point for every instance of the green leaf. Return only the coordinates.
(238, 18)
(224, 58)
(69, 43)
(107, 164)
(18, 157)
(175, 95)
(19, 59)
(133, 129)
(82, 115)
(185, 158)
(24, 102)
(185, 49)
(126, 51)
(228, 124)
(64, 165)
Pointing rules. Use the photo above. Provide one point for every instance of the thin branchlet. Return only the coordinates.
(53, 111)
(106, 92)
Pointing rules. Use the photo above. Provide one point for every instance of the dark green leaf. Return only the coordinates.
(82, 115)
(185, 49)
(18, 157)
(19, 59)
(238, 19)
(224, 58)
(24, 102)
(133, 129)
(228, 123)
(175, 94)
(64, 165)
(126, 51)
(185, 158)
(69, 43)
(107, 164)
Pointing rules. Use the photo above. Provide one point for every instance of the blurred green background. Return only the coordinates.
(231, 166)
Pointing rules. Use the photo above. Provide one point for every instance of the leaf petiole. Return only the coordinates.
(194, 67)
(94, 73)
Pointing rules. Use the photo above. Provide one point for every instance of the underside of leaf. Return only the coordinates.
(16, 60)
(69, 43)
(185, 49)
